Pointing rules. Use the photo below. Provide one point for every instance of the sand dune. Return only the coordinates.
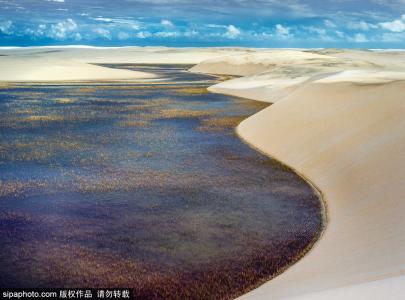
(256, 62)
(50, 69)
(271, 75)
(77, 63)
(342, 127)
(349, 141)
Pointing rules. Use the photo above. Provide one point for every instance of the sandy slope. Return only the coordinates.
(342, 126)
(350, 141)
(52, 69)
(272, 74)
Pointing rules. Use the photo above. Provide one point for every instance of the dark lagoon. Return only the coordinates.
(146, 186)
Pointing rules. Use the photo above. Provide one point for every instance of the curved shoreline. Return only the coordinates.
(279, 287)
(320, 196)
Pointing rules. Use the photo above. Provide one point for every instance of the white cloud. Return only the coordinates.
(102, 32)
(263, 34)
(282, 31)
(394, 26)
(59, 1)
(361, 25)
(63, 29)
(360, 38)
(166, 23)
(329, 24)
(101, 19)
(313, 29)
(41, 30)
(321, 33)
(215, 26)
(391, 37)
(133, 24)
(123, 36)
(6, 27)
(340, 34)
(143, 34)
(191, 33)
(232, 32)
(165, 34)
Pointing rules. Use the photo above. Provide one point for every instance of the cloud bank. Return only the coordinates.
(260, 23)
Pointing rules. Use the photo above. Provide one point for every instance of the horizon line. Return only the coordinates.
(73, 46)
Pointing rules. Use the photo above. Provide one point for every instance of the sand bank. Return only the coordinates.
(50, 69)
(341, 125)
(77, 63)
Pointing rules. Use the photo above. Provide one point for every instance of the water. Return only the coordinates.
(143, 185)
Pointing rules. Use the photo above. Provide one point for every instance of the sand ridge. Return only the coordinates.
(341, 126)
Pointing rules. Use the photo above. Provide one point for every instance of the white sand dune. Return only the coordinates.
(78, 63)
(51, 69)
(270, 75)
(349, 140)
(251, 63)
(388, 289)
(342, 126)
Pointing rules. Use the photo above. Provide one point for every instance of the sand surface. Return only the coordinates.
(78, 63)
(338, 119)
(340, 123)
(51, 69)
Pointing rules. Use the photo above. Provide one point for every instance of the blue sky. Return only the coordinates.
(251, 23)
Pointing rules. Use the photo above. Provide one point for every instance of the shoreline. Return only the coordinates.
(320, 196)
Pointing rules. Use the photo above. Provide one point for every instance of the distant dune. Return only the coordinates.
(77, 63)
(34, 69)
(338, 119)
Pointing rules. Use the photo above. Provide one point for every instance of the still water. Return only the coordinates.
(143, 185)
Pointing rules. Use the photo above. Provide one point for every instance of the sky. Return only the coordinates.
(183, 23)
